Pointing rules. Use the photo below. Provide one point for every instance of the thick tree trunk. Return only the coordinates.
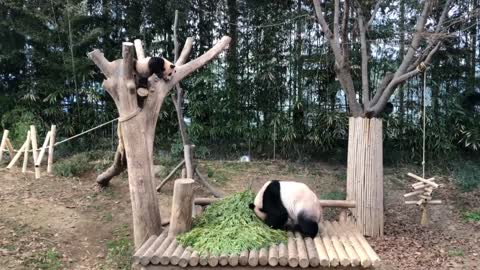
(365, 173)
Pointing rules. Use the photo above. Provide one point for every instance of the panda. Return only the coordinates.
(278, 201)
(159, 66)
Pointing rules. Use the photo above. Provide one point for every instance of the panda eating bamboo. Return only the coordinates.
(278, 201)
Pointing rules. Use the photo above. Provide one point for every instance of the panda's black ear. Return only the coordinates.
(251, 206)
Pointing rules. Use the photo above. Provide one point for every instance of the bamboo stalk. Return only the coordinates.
(147, 256)
(342, 254)
(233, 260)
(204, 259)
(426, 181)
(53, 133)
(273, 255)
(375, 260)
(292, 251)
(363, 256)
(175, 258)
(223, 259)
(412, 193)
(141, 251)
(322, 252)
(165, 259)
(312, 252)
(301, 251)
(42, 151)
(156, 257)
(212, 260)
(349, 249)
(25, 156)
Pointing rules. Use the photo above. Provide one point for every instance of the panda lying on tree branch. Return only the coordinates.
(144, 68)
(278, 201)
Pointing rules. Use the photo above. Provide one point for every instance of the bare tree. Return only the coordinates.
(137, 122)
(365, 160)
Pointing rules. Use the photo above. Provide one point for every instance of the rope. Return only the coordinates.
(424, 120)
(85, 132)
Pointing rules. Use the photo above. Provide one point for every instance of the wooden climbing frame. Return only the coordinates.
(339, 243)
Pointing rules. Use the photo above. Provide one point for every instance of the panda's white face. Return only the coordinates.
(261, 215)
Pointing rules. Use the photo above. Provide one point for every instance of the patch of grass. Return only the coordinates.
(73, 166)
(108, 217)
(229, 226)
(466, 175)
(48, 260)
(119, 250)
(334, 195)
(341, 176)
(472, 215)
(456, 253)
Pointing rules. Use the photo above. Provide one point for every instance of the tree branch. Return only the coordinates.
(374, 13)
(333, 43)
(187, 69)
(101, 62)
(346, 15)
(139, 49)
(185, 52)
(336, 18)
(364, 53)
(381, 87)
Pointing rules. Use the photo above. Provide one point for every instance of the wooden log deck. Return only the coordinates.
(339, 245)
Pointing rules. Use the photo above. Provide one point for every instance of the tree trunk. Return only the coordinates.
(365, 173)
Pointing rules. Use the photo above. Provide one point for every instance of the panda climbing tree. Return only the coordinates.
(138, 112)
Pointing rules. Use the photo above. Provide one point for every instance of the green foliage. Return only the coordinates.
(456, 253)
(73, 166)
(472, 215)
(230, 226)
(46, 260)
(466, 175)
(119, 250)
(334, 195)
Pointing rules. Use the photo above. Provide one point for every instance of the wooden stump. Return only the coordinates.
(182, 203)
(53, 133)
(365, 173)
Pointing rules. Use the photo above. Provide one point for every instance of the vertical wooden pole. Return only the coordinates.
(43, 149)
(11, 150)
(187, 152)
(182, 204)
(274, 138)
(53, 132)
(33, 137)
(3, 143)
(25, 157)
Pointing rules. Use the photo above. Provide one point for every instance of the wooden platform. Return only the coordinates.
(338, 245)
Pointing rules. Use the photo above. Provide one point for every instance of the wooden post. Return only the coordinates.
(11, 150)
(182, 203)
(187, 151)
(17, 156)
(43, 149)
(25, 156)
(3, 143)
(33, 137)
(53, 133)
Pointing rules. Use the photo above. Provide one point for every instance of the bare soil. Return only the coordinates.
(76, 219)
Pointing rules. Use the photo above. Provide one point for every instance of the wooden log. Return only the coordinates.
(33, 137)
(362, 255)
(142, 92)
(167, 255)
(157, 255)
(183, 262)
(253, 258)
(322, 253)
(187, 153)
(337, 203)
(343, 216)
(165, 180)
(43, 149)
(202, 180)
(184, 173)
(223, 259)
(11, 150)
(212, 260)
(3, 144)
(292, 250)
(301, 251)
(53, 133)
(17, 156)
(182, 201)
(312, 252)
(139, 49)
(422, 186)
(204, 201)
(147, 256)
(263, 257)
(282, 254)
(339, 249)
(412, 193)
(233, 260)
(426, 181)
(203, 260)
(349, 249)
(141, 251)
(25, 156)
(374, 259)
(435, 202)
(243, 259)
(273, 255)
(175, 258)
(194, 259)
(427, 198)
(421, 201)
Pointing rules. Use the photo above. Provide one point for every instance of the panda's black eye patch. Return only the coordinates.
(172, 66)
(170, 74)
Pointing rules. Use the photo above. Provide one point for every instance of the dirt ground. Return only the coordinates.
(68, 223)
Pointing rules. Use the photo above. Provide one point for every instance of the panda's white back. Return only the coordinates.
(297, 197)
